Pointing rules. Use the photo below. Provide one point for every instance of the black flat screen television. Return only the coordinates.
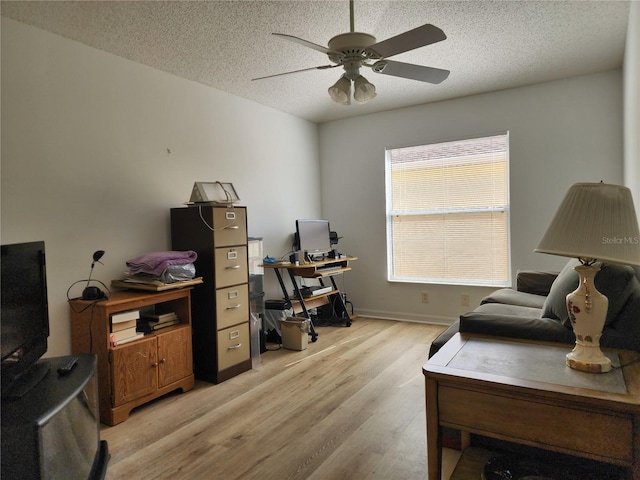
(314, 237)
(24, 328)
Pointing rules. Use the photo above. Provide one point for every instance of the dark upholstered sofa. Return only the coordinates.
(536, 309)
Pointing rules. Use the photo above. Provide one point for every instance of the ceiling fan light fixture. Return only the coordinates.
(340, 92)
(363, 90)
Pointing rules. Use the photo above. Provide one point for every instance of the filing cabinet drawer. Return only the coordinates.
(233, 346)
(232, 306)
(231, 266)
(230, 226)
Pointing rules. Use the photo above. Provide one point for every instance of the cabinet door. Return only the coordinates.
(175, 359)
(230, 226)
(134, 371)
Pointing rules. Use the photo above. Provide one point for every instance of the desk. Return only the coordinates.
(320, 270)
(523, 392)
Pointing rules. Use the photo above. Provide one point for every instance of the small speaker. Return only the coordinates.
(294, 258)
(93, 293)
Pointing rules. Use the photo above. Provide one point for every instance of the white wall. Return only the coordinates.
(86, 164)
(560, 133)
(632, 105)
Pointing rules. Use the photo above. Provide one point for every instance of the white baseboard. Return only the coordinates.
(406, 317)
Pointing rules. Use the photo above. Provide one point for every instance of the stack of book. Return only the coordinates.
(124, 327)
(150, 322)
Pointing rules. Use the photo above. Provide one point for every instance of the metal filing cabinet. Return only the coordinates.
(220, 317)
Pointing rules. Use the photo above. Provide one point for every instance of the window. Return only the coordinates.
(448, 212)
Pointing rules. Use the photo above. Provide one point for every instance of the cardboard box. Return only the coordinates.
(295, 333)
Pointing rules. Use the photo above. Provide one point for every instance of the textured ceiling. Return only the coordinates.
(490, 45)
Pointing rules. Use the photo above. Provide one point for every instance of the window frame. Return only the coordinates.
(390, 214)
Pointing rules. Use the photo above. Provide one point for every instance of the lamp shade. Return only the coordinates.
(595, 221)
(363, 90)
(340, 91)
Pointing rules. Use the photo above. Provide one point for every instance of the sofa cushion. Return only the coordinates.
(555, 306)
(509, 296)
(534, 281)
(629, 317)
(613, 281)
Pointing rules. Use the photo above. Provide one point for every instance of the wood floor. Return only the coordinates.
(350, 406)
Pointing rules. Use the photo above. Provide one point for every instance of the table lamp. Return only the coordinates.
(596, 222)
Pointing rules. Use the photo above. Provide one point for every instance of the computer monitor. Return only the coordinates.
(313, 237)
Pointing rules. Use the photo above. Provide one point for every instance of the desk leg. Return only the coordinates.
(338, 303)
(434, 431)
(282, 286)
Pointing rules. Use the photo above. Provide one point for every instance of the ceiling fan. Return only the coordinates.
(354, 50)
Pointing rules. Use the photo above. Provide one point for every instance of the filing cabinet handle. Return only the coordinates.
(232, 227)
(233, 307)
(235, 347)
(233, 267)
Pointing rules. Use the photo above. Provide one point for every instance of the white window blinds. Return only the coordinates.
(448, 212)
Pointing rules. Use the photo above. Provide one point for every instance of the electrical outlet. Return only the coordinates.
(464, 300)
(425, 297)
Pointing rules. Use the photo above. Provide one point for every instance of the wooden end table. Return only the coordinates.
(522, 392)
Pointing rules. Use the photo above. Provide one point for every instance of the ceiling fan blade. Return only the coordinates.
(322, 67)
(409, 70)
(303, 42)
(416, 38)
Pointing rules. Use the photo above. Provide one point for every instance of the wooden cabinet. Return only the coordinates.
(133, 373)
(218, 234)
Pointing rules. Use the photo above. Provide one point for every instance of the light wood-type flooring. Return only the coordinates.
(350, 406)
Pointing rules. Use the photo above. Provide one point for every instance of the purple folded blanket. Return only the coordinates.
(156, 263)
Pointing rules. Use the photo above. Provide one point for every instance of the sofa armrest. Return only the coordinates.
(443, 338)
(532, 281)
(528, 328)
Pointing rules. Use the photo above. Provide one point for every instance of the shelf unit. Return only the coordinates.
(134, 373)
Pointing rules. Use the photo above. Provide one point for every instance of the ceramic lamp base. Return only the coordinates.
(588, 359)
(587, 311)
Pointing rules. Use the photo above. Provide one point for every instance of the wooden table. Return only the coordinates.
(522, 392)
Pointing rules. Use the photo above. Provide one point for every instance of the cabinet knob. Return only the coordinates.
(234, 307)
(232, 227)
(235, 347)
(164, 360)
(154, 364)
(233, 267)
